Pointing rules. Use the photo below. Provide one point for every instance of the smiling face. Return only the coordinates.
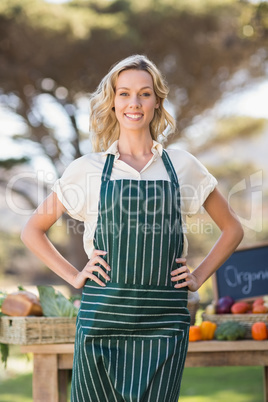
(135, 101)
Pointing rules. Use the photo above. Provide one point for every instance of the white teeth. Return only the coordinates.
(134, 116)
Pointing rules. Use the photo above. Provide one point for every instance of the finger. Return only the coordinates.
(179, 270)
(179, 277)
(100, 261)
(181, 260)
(96, 279)
(98, 252)
(182, 284)
(96, 268)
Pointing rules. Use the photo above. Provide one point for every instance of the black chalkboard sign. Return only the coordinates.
(244, 275)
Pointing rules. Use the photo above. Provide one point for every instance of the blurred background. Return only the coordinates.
(214, 55)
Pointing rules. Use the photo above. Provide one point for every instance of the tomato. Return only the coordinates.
(258, 302)
(240, 308)
(259, 309)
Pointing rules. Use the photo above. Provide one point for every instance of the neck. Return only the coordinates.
(135, 145)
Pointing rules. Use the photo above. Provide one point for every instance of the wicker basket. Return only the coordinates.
(37, 330)
(246, 319)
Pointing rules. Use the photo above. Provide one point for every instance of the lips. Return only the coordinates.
(134, 116)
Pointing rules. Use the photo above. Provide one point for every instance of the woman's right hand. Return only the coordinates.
(87, 272)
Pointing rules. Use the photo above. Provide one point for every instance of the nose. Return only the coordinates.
(135, 102)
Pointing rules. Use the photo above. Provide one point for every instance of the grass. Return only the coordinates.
(16, 379)
(221, 384)
(199, 384)
(17, 389)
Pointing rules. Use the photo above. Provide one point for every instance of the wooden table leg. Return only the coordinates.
(45, 378)
(265, 382)
(63, 384)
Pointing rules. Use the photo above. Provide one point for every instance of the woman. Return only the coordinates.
(132, 327)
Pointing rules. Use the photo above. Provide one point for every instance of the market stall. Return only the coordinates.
(234, 330)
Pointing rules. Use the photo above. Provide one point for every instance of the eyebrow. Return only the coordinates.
(117, 89)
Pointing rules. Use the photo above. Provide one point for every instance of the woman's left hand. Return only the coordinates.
(183, 272)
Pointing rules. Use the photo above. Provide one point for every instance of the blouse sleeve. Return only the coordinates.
(71, 190)
(196, 183)
(197, 186)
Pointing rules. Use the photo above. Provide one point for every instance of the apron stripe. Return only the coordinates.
(141, 369)
(162, 371)
(110, 356)
(116, 363)
(125, 368)
(107, 376)
(133, 369)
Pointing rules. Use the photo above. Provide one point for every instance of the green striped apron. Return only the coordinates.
(132, 335)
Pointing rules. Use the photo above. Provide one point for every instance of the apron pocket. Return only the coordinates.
(120, 310)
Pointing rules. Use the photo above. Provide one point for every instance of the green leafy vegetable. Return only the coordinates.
(4, 353)
(75, 297)
(230, 331)
(54, 304)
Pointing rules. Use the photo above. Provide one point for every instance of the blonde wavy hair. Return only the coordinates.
(104, 127)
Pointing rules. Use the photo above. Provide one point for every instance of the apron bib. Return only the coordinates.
(132, 335)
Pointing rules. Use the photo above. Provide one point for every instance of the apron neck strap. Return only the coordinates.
(170, 168)
(108, 166)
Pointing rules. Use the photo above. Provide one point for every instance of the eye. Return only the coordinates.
(146, 94)
(123, 94)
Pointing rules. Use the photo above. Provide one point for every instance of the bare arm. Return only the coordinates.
(34, 237)
(231, 235)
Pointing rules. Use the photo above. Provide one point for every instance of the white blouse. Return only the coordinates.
(78, 188)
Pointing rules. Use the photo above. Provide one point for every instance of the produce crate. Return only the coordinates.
(246, 319)
(37, 330)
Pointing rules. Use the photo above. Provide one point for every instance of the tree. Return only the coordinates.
(63, 52)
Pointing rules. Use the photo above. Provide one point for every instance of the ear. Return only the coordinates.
(157, 105)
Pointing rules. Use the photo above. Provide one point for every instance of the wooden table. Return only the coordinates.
(52, 363)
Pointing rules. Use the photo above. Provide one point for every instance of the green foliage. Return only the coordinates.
(75, 297)
(76, 22)
(11, 162)
(238, 127)
(54, 304)
(4, 348)
(232, 171)
(89, 36)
